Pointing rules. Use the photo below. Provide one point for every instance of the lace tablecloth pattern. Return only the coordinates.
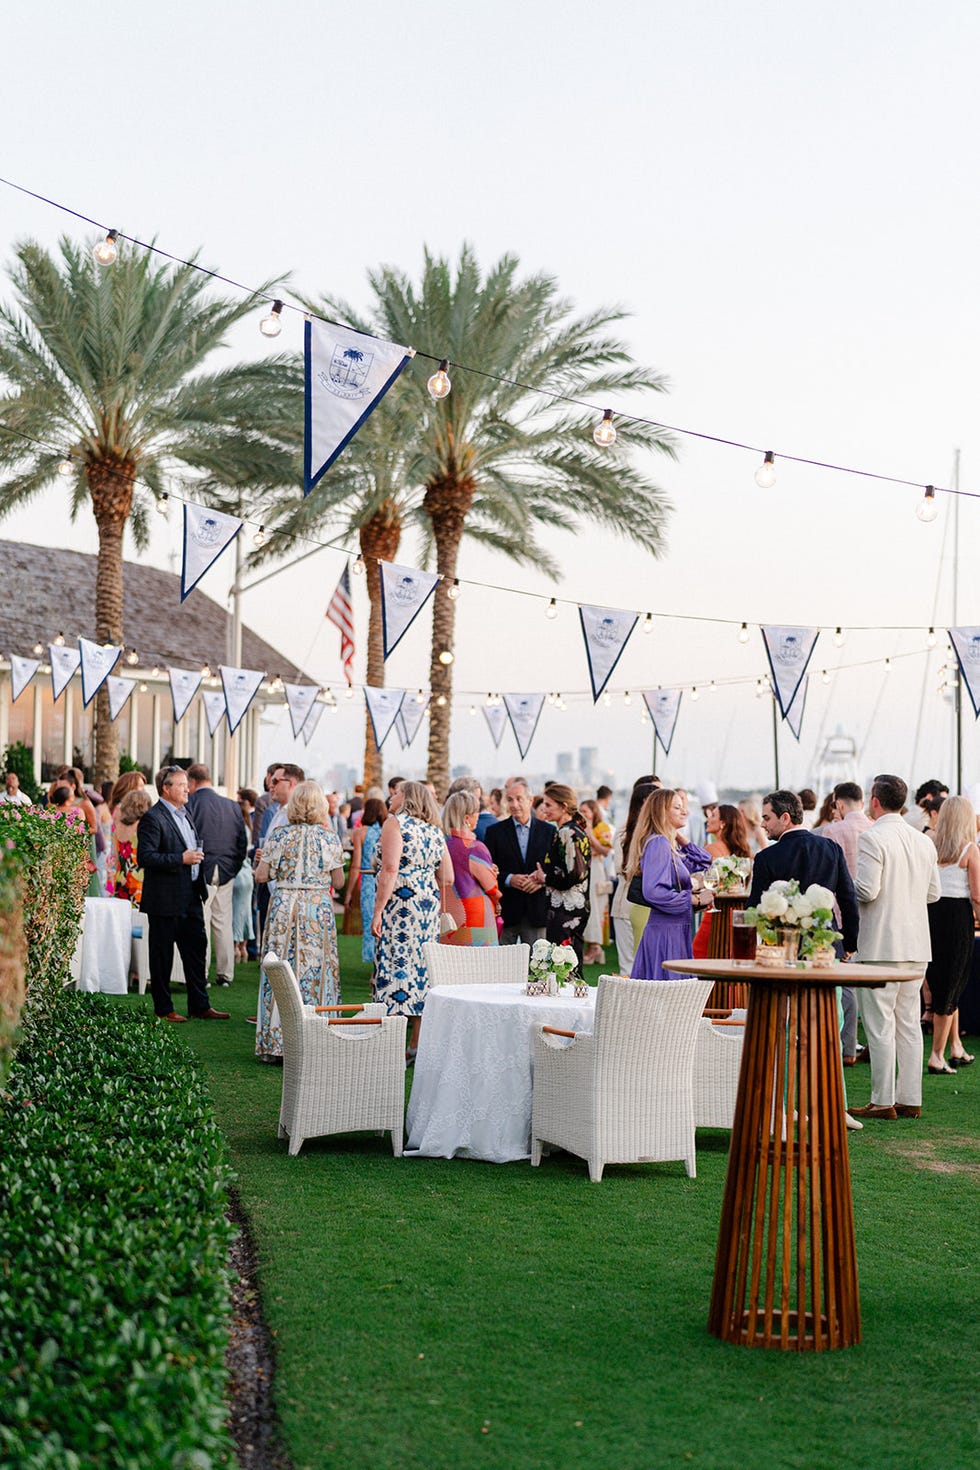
(471, 1090)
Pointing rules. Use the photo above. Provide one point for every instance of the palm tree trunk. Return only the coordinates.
(379, 541)
(111, 489)
(446, 503)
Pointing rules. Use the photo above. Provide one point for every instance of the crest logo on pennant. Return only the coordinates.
(606, 631)
(347, 373)
(405, 590)
(207, 532)
(789, 650)
(971, 650)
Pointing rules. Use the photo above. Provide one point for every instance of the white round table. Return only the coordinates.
(471, 1091)
(102, 956)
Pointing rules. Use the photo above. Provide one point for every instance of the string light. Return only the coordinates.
(825, 677)
(931, 638)
(106, 250)
(928, 507)
(551, 699)
(648, 623)
(334, 707)
(604, 432)
(765, 475)
(743, 633)
(163, 503)
(627, 698)
(60, 640)
(838, 638)
(133, 658)
(65, 466)
(551, 611)
(454, 590)
(695, 695)
(888, 665)
(260, 538)
(38, 648)
(155, 671)
(349, 692)
(359, 565)
(441, 701)
(271, 325)
(607, 699)
(446, 656)
(143, 688)
(472, 709)
(712, 687)
(440, 384)
(420, 698)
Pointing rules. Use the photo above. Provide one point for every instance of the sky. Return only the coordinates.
(781, 195)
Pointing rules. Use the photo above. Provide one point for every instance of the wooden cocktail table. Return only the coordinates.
(727, 995)
(786, 1267)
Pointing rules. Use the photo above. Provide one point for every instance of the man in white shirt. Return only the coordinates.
(897, 877)
(12, 793)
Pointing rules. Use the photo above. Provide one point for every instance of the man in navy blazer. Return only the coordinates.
(174, 890)
(221, 830)
(806, 856)
(517, 845)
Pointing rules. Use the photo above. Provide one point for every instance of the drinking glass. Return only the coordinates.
(744, 940)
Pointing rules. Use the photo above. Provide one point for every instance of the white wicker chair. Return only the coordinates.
(622, 1093)
(337, 1078)
(492, 964)
(717, 1060)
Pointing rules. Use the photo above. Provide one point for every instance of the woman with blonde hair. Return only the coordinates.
(303, 858)
(951, 929)
(473, 897)
(758, 837)
(414, 862)
(664, 865)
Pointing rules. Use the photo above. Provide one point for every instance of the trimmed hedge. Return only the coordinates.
(114, 1287)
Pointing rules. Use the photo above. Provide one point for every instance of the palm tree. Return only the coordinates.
(107, 364)
(498, 459)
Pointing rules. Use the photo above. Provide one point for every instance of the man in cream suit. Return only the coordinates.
(897, 877)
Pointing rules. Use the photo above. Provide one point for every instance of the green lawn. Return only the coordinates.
(451, 1314)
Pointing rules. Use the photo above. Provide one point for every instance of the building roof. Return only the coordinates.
(45, 590)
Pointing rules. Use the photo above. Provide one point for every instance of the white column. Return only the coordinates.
(255, 717)
(134, 724)
(38, 728)
(155, 757)
(69, 740)
(202, 730)
(4, 712)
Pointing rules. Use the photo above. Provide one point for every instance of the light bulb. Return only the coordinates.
(334, 708)
(106, 251)
(454, 589)
(712, 687)
(604, 432)
(205, 671)
(133, 658)
(349, 692)
(838, 637)
(490, 701)
(65, 466)
(648, 623)
(60, 640)
(695, 694)
(143, 688)
(928, 507)
(888, 665)
(743, 633)
(643, 717)
(271, 325)
(163, 504)
(472, 709)
(627, 698)
(277, 685)
(931, 638)
(446, 657)
(439, 384)
(551, 699)
(359, 564)
(260, 538)
(38, 648)
(155, 671)
(441, 701)
(420, 698)
(765, 475)
(759, 688)
(825, 677)
(551, 611)
(607, 699)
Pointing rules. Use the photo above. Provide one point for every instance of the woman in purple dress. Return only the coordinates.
(665, 864)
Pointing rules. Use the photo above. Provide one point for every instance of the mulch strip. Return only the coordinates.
(250, 1360)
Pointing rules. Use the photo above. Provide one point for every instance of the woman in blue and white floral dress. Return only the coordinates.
(414, 862)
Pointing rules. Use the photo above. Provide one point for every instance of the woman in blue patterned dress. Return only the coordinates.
(363, 868)
(414, 862)
(303, 858)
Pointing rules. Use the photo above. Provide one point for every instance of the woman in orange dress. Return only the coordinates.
(727, 836)
(473, 897)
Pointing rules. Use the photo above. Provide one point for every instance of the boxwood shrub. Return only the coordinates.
(114, 1288)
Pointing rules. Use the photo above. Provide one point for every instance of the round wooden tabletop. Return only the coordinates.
(867, 977)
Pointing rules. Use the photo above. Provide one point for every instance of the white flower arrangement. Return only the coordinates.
(551, 964)
(784, 906)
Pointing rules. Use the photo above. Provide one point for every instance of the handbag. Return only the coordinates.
(634, 893)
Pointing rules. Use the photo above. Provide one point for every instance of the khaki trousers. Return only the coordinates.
(217, 922)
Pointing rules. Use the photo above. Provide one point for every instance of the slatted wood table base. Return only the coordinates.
(786, 1265)
(727, 995)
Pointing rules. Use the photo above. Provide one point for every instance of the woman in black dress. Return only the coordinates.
(566, 869)
(951, 930)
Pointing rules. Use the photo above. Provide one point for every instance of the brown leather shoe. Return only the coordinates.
(863, 1054)
(849, 1061)
(211, 1015)
(907, 1110)
(872, 1110)
(172, 1016)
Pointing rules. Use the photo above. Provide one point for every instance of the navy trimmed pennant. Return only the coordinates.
(663, 706)
(206, 535)
(214, 708)
(383, 706)
(120, 691)
(22, 671)
(184, 684)
(524, 711)
(966, 646)
(496, 718)
(64, 664)
(347, 373)
(404, 593)
(789, 651)
(240, 686)
(606, 631)
(300, 698)
(794, 715)
(409, 721)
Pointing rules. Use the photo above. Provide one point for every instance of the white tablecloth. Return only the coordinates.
(102, 956)
(471, 1092)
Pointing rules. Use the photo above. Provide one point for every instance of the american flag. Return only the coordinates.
(341, 614)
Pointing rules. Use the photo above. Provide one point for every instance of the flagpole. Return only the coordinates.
(234, 647)
(775, 739)
(956, 620)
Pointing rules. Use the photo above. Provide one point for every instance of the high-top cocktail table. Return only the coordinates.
(786, 1267)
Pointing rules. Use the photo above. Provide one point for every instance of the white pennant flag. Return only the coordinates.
(347, 374)
(789, 651)
(313, 719)
(606, 631)
(22, 671)
(119, 691)
(966, 646)
(524, 711)
(496, 718)
(410, 717)
(794, 715)
(64, 662)
(240, 686)
(383, 706)
(300, 698)
(214, 708)
(404, 593)
(184, 684)
(663, 706)
(98, 661)
(206, 534)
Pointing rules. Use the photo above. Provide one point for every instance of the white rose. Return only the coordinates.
(819, 898)
(803, 905)
(773, 905)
